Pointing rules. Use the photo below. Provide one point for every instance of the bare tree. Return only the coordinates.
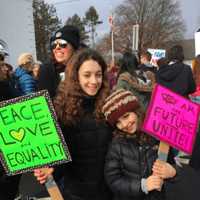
(92, 20)
(78, 22)
(160, 23)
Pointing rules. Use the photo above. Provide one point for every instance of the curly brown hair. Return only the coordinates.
(69, 98)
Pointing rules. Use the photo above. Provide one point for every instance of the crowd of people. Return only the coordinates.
(101, 112)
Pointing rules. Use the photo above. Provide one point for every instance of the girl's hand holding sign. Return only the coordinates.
(163, 169)
(154, 182)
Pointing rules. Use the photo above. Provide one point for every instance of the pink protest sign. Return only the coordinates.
(172, 118)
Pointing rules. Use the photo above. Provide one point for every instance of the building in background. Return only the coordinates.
(189, 50)
(17, 33)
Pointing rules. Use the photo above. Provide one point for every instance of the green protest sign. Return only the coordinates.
(29, 134)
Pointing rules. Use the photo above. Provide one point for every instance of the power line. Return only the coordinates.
(66, 1)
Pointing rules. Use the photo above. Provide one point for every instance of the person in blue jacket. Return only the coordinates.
(25, 81)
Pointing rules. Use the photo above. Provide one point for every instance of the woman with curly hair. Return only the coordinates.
(78, 105)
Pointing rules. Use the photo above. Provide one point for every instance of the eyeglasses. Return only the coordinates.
(61, 43)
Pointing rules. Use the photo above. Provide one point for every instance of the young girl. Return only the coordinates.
(130, 158)
(78, 105)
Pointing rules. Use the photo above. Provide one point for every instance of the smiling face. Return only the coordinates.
(62, 52)
(90, 77)
(128, 122)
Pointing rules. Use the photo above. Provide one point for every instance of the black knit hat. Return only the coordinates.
(70, 34)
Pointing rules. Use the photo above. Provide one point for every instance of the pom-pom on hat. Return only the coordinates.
(117, 104)
(68, 33)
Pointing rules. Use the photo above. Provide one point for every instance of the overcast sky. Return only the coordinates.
(67, 8)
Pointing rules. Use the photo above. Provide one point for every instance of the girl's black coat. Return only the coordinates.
(88, 142)
(127, 162)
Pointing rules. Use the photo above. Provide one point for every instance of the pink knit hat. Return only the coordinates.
(117, 104)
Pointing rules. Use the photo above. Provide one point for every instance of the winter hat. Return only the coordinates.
(117, 104)
(3, 51)
(25, 58)
(70, 34)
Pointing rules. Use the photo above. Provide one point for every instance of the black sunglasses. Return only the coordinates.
(62, 44)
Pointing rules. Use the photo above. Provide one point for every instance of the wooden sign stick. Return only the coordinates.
(163, 151)
(52, 187)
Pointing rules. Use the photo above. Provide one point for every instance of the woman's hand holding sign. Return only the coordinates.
(43, 174)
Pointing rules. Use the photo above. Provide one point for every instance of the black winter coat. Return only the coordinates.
(127, 162)
(5, 90)
(186, 185)
(8, 184)
(145, 68)
(177, 77)
(88, 142)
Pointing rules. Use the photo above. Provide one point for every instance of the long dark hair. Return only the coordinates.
(129, 63)
(68, 102)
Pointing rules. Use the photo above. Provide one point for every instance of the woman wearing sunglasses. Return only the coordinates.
(63, 44)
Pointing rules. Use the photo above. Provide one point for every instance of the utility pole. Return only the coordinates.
(197, 42)
(135, 44)
(92, 35)
(112, 37)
